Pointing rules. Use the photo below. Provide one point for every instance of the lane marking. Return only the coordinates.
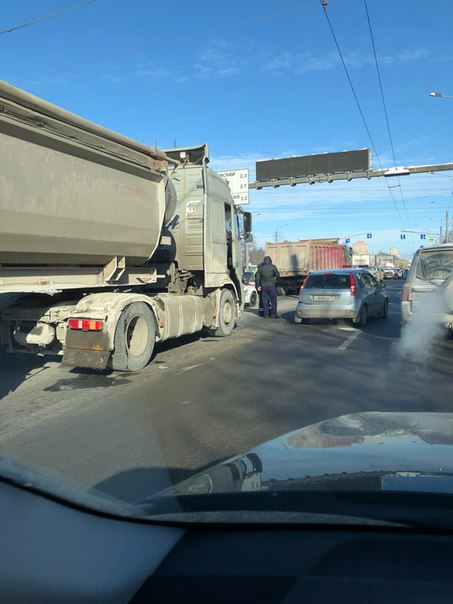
(350, 340)
(192, 367)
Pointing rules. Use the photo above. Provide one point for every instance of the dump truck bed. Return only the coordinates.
(72, 192)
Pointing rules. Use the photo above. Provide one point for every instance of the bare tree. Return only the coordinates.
(256, 254)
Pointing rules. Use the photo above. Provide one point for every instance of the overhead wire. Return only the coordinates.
(324, 6)
(378, 71)
(46, 18)
(170, 42)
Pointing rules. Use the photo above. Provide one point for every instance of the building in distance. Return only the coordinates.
(360, 247)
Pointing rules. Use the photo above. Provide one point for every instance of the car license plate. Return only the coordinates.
(323, 298)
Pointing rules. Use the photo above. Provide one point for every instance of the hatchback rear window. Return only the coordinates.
(327, 282)
(436, 265)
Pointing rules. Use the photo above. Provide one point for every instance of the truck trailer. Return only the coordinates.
(108, 246)
(296, 259)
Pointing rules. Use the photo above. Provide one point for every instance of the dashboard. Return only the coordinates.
(52, 552)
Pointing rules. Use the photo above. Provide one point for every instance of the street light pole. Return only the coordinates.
(447, 229)
(447, 232)
(276, 231)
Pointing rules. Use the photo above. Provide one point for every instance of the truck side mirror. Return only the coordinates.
(247, 224)
(248, 238)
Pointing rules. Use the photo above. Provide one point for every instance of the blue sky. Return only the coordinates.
(259, 79)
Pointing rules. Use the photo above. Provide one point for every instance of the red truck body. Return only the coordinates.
(296, 259)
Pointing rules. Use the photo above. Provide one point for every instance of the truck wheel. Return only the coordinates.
(253, 299)
(227, 315)
(135, 337)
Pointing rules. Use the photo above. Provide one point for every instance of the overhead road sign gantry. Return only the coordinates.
(329, 167)
(306, 165)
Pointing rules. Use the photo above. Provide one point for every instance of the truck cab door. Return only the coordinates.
(222, 253)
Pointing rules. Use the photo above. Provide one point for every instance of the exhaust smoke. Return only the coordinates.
(424, 328)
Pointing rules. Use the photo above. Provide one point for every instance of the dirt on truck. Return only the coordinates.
(108, 246)
(296, 259)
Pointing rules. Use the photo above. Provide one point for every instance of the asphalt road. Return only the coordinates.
(204, 399)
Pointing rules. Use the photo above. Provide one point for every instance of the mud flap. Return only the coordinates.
(93, 359)
(86, 349)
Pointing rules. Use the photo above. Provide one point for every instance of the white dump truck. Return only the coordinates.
(108, 246)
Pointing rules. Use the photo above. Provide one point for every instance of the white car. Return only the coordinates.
(250, 293)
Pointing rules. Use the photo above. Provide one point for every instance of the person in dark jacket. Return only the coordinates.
(265, 278)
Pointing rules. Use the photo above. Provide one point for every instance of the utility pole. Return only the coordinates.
(446, 226)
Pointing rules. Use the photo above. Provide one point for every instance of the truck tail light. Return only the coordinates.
(352, 285)
(86, 324)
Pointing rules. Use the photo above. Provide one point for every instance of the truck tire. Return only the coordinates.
(227, 315)
(135, 337)
(253, 299)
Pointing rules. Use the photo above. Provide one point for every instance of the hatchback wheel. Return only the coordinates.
(385, 311)
(363, 316)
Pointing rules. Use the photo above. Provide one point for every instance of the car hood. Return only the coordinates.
(364, 451)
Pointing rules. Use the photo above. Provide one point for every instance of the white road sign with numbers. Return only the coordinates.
(238, 181)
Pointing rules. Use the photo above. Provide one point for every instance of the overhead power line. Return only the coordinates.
(46, 18)
(385, 106)
(343, 62)
(173, 41)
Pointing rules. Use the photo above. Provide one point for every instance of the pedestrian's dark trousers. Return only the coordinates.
(269, 295)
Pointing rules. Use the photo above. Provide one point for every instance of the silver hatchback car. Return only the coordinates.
(342, 294)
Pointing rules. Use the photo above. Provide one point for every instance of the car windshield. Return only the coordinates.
(328, 281)
(156, 159)
(437, 265)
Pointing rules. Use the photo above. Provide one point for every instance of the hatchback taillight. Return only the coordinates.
(352, 284)
(303, 284)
